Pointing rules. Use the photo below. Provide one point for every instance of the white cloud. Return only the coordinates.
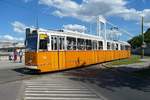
(87, 10)
(75, 27)
(19, 27)
(147, 25)
(145, 13)
(11, 38)
(8, 37)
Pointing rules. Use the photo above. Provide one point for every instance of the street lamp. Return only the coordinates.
(143, 43)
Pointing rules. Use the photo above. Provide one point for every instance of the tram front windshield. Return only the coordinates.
(31, 42)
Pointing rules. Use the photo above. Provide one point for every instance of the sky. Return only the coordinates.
(80, 15)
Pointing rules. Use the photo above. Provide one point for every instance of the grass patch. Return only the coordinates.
(131, 60)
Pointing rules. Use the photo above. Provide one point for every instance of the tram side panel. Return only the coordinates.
(108, 55)
(123, 54)
(48, 61)
(86, 57)
(62, 60)
(70, 59)
(54, 60)
(120, 52)
(101, 56)
(117, 54)
(90, 57)
(82, 58)
(78, 58)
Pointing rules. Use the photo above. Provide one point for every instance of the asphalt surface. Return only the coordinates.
(11, 76)
(10, 72)
(119, 83)
(116, 83)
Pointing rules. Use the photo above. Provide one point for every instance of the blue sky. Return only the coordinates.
(72, 14)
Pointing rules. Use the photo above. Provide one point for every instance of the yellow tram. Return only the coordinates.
(48, 51)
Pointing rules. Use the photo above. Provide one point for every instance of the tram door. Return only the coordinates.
(58, 47)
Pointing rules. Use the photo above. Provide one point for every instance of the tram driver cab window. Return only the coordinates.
(43, 42)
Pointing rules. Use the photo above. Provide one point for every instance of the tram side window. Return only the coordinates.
(108, 46)
(127, 47)
(71, 43)
(94, 45)
(113, 46)
(61, 43)
(81, 44)
(100, 45)
(88, 45)
(122, 47)
(44, 40)
(54, 43)
(117, 46)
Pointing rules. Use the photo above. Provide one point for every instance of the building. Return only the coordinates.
(7, 47)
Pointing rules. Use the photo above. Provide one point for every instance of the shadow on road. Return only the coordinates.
(111, 78)
(25, 71)
(108, 78)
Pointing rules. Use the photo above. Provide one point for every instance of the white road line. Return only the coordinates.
(87, 92)
(68, 89)
(62, 98)
(51, 84)
(54, 87)
(43, 84)
(62, 95)
(56, 90)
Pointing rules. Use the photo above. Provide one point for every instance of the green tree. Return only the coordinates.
(147, 36)
(136, 41)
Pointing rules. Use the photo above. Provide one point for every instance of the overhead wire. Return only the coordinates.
(129, 34)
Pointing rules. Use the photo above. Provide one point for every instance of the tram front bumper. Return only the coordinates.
(32, 67)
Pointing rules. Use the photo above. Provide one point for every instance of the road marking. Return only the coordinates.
(62, 98)
(61, 95)
(60, 89)
(68, 92)
(53, 87)
(56, 89)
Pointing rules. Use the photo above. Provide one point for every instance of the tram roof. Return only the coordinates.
(78, 35)
(72, 34)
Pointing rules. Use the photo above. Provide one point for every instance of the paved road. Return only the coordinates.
(10, 71)
(11, 76)
(123, 83)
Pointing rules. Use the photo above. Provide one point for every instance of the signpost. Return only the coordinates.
(143, 43)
